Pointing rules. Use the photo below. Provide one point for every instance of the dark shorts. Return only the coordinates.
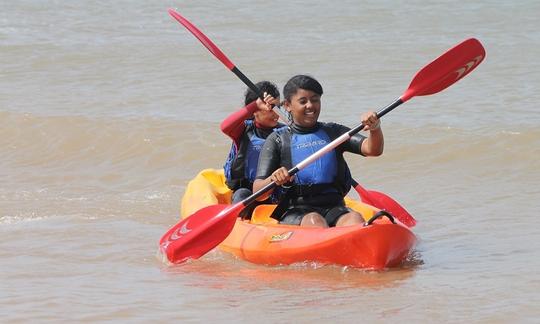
(240, 194)
(294, 215)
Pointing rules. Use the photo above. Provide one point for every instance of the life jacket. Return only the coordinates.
(241, 165)
(330, 173)
(326, 182)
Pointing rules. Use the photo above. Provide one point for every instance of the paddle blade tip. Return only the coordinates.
(199, 233)
(173, 13)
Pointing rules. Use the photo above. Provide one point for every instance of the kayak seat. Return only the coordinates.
(365, 210)
(206, 189)
(216, 182)
(261, 214)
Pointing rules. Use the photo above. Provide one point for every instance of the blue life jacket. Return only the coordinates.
(241, 165)
(329, 173)
(322, 183)
(322, 170)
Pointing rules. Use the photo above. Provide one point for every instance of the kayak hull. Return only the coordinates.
(377, 246)
(380, 245)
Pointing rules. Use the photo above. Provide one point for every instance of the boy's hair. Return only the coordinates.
(265, 86)
(301, 81)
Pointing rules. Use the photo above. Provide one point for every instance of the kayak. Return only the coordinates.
(382, 242)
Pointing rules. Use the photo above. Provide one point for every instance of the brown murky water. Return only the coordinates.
(108, 109)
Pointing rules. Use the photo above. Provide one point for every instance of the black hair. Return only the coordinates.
(264, 86)
(301, 81)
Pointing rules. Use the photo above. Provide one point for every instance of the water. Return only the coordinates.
(108, 109)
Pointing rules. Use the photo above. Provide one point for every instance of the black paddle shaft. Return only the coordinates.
(247, 82)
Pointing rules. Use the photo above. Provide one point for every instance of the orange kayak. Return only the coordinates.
(261, 240)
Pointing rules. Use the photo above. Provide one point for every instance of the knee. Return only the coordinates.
(240, 195)
(313, 220)
(351, 218)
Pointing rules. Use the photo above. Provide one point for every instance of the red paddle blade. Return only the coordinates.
(382, 201)
(447, 69)
(199, 233)
(202, 38)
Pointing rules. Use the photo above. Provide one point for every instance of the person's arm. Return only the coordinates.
(280, 177)
(373, 145)
(353, 145)
(234, 126)
(269, 168)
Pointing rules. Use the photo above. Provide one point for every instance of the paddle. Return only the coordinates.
(367, 196)
(385, 202)
(215, 50)
(197, 234)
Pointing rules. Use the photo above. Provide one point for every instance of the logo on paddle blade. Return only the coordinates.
(281, 237)
(468, 67)
(183, 230)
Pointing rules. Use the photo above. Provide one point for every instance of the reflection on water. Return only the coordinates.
(219, 270)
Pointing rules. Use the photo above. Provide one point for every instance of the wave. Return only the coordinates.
(61, 159)
(120, 147)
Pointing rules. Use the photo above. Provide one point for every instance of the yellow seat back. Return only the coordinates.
(207, 188)
(261, 214)
(367, 211)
